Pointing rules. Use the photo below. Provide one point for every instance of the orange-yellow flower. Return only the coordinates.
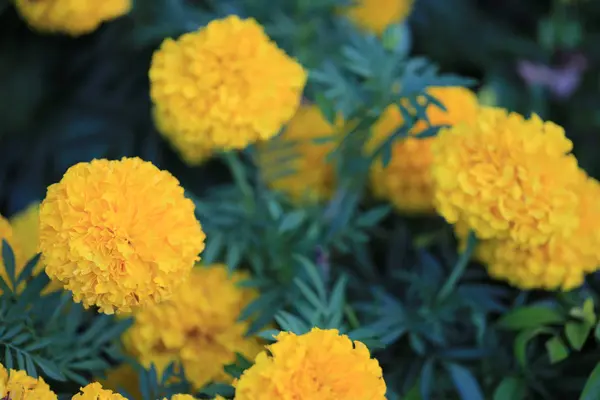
(73, 17)
(311, 176)
(321, 364)
(197, 326)
(376, 15)
(119, 234)
(123, 377)
(406, 181)
(505, 177)
(17, 385)
(223, 87)
(7, 233)
(94, 391)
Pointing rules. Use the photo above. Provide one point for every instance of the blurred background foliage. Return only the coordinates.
(65, 100)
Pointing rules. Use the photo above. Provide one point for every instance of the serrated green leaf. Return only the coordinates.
(214, 245)
(20, 339)
(39, 344)
(530, 317)
(316, 279)
(310, 295)
(8, 358)
(557, 350)
(511, 388)
(290, 323)
(20, 360)
(30, 367)
(90, 365)
(27, 271)
(12, 332)
(8, 258)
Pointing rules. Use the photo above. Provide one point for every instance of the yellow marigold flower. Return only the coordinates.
(507, 177)
(17, 385)
(182, 397)
(311, 176)
(119, 234)
(73, 17)
(562, 262)
(406, 181)
(7, 233)
(321, 364)
(223, 87)
(94, 391)
(26, 228)
(197, 324)
(123, 377)
(376, 15)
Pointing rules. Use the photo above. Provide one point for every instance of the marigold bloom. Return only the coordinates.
(119, 234)
(94, 391)
(376, 15)
(17, 385)
(182, 397)
(406, 181)
(197, 324)
(73, 17)
(7, 233)
(507, 177)
(561, 263)
(321, 364)
(311, 176)
(223, 87)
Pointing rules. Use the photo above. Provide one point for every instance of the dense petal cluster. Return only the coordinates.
(73, 17)
(406, 181)
(308, 176)
(223, 87)
(17, 385)
(376, 15)
(94, 391)
(321, 364)
(197, 326)
(7, 233)
(119, 234)
(561, 262)
(506, 177)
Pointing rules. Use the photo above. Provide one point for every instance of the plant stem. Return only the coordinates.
(459, 268)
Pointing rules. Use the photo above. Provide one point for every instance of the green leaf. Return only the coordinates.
(373, 216)
(591, 390)
(530, 317)
(577, 333)
(214, 389)
(233, 256)
(464, 381)
(557, 351)
(269, 334)
(292, 221)
(9, 262)
(28, 269)
(510, 388)
(327, 108)
(30, 367)
(214, 245)
(522, 340)
(427, 379)
(8, 358)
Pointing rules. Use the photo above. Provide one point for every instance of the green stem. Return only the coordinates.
(459, 268)
(352, 318)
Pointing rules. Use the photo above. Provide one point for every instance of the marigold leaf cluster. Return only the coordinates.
(119, 234)
(17, 385)
(223, 87)
(311, 176)
(197, 324)
(406, 180)
(73, 17)
(321, 364)
(514, 183)
(376, 15)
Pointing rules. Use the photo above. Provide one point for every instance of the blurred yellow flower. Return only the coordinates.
(376, 15)
(94, 391)
(181, 397)
(223, 87)
(73, 17)
(119, 234)
(505, 177)
(321, 364)
(406, 181)
(310, 177)
(17, 385)
(197, 326)
(7, 233)
(123, 377)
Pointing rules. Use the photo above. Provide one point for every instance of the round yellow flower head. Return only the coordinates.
(73, 17)
(321, 364)
(406, 181)
(223, 87)
(17, 385)
(197, 324)
(507, 177)
(7, 233)
(311, 176)
(119, 234)
(561, 263)
(94, 391)
(376, 15)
